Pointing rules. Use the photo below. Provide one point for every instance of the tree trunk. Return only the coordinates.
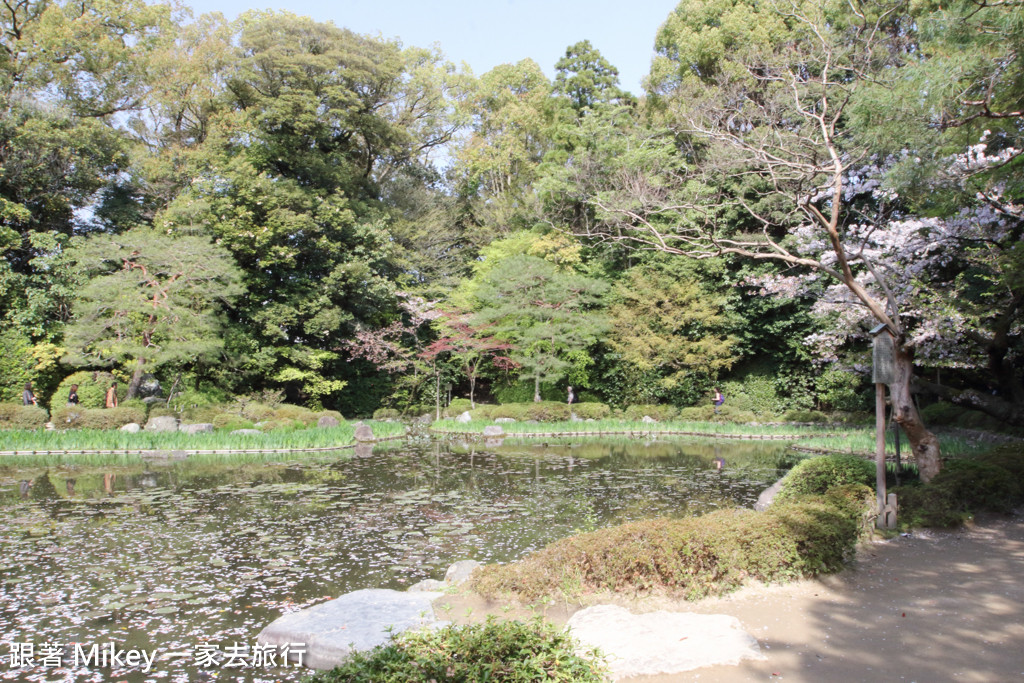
(136, 381)
(536, 388)
(472, 390)
(437, 393)
(923, 443)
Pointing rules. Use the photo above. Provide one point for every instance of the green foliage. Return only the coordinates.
(804, 416)
(816, 475)
(690, 557)
(704, 413)
(961, 489)
(766, 394)
(840, 389)
(230, 421)
(542, 411)
(499, 651)
(24, 361)
(591, 411)
(92, 389)
(18, 416)
(97, 418)
(521, 391)
(457, 407)
(386, 414)
(661, 413)
(942, 413)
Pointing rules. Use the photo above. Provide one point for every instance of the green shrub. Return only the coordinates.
(92, 389)
(545, 411)
(257, 412)
(97, 418)
(231, 421)
(804, 416)
(522, 392)
(161, 410)
(457, 407)
(704, 413)
(961, 489)
(816, 475)
(286, 411)
(591, 411)
(17, 416)
(692, 557)
(659, 412)
(330, 413)
(734, 414)
(941, 413)
(499, 651)
(1008, 456)
(858, 502)
(386, 414)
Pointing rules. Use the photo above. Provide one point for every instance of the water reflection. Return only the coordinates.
(170, 555)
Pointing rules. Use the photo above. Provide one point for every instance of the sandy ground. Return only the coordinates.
(929, 607)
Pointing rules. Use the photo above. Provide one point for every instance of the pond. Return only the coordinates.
(204, 553)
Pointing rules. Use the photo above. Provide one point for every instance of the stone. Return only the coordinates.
(427, 585)
(50, 427)
(767, 496)
(493, 430)
(460, 571)
(197, 428)
(648, 418)
(363, 432)
(165, 455)
(494, 443)
(464, 417)
(246, 432)
(132, 428)
(662, 643)
(504, 420)
(162, 423)
(150, 400)
(425, 419)
(356, 621)
(327, 421)
(150, 387)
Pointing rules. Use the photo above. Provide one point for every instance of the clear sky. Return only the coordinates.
(485, 33)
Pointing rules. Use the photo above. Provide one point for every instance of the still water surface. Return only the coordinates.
(209, 551)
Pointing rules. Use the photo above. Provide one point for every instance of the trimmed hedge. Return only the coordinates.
(386, 414)
(97, 418)
(963, 488)
(544, 411)
(816, 475)
(499, 651)
(17, 416)
(804, 416)
(457, 407)
(659, 412)
(591, 411)
(92, 389)
(693, 557)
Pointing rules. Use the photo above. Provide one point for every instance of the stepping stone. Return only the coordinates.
(660, 643)
(356, 621)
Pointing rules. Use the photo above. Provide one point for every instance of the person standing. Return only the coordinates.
(73, 396)
(111, 400)
(718, 400)
(27, 397)
(572, 396)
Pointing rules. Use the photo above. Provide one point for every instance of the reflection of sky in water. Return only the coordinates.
(171, 556)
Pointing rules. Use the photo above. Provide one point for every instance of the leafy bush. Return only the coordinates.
(859, 502)
(522, 392)
(941, 413)
(286, 411)
(734, 414)
(840, 389)
(97, 418)
(17, 416)
(960, 489)
(591, 411)
(659, 412)
(815, 476)
(692, 557)
(457, 407)
(545, 411)
(1008, 456)
(330, 413)
(804, 416)
(386, 414)
(231, 421)
(768, 393)
(704, 413)
(495, 651)
(257, 412)
(92, 389)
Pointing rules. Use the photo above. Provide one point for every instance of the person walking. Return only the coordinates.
(718, 400)
(111, 400)
(27, 397)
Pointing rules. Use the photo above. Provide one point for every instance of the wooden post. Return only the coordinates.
(880, 452)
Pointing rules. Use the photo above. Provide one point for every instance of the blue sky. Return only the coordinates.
(485, 33)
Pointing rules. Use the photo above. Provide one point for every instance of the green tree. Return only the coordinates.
(586, 78)
(549, 316)
(151, 300)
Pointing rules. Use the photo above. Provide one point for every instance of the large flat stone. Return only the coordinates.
(355, 621)
(662, 643)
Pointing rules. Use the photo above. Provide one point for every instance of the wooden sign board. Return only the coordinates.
(883, 367)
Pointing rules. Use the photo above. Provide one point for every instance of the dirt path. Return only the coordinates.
(933, 606)
(929, 607)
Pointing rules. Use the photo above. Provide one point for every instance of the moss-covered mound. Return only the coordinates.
(693, 557)
(992, 482)
(817, 475)
(499, 651)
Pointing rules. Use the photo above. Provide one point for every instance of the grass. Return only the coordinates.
(739, 430)
(109, 440)
(862, 441)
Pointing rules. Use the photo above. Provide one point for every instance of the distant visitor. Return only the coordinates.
(73, 395)
(718, 400)
(28, 398)
(111, 401)
(572, 396)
